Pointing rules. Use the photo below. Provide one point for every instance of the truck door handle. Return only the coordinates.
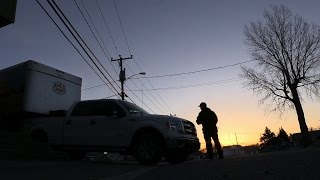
(69, 122)
(93, 121)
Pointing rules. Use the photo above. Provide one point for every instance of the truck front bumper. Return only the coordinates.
(183, 144)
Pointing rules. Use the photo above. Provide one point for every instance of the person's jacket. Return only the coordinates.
(208, 119)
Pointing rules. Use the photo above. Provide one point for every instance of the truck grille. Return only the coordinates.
(189, 128)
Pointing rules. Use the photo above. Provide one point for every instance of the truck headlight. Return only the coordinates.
(175, 126)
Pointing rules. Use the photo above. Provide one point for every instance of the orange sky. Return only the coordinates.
(242, 118)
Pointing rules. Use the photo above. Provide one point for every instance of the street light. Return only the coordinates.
(141, 73)
(122, 77)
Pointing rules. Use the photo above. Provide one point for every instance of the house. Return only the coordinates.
(233, 150)
(297, 138)
(251, 149)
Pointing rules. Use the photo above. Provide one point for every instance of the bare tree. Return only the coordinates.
(287, 53)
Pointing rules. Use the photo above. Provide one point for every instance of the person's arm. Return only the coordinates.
(199, 118)
(215, 117)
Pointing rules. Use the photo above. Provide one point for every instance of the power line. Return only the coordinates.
(147, 91)
(184, 73)
(195, 85)
(108, 59)
(187, 86)
(148, 99)
(159, 95)
(124, 34)
(85, 43)
(126, 40)
(182, 86)
(113, 44)
(151, 87)
(106, 24)
(100, 38)
(56, 8)
(71, 42)
(81, 40)
(198, 71)
(156, 90)
(103, 49)
(100, 85)
(139, 99)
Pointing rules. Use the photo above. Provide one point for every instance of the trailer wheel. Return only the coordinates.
(148, 149)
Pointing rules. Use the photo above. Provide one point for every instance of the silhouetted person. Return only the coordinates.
(209, 119)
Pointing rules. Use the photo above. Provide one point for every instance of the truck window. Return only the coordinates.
(111, 108)
(96, 108)
(89, 109)
(132, 108)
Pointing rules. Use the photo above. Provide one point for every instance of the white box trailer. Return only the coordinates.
(32, 89)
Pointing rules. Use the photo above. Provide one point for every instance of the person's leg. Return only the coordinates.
(217, 145)
(209, 146)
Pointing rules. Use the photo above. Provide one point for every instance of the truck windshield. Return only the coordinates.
(133, 109)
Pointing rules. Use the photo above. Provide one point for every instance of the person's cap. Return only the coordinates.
(203, 104)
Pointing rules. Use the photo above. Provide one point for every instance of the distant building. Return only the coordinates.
(252, 149)
(233, 150)
(228, 151)
(297, 138)
(7, 12)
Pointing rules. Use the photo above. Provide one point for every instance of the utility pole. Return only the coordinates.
(237, 143)
(236, 138)
(122, 75)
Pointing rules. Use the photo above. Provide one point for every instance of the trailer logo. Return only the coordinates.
(59, 88)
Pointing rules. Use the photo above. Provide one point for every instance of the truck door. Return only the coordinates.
(81, 124)
(112, 130)
(94, 123)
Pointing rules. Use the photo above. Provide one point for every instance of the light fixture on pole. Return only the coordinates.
(123, 79)
(141, 73)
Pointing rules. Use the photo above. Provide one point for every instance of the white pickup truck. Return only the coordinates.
(110, 125)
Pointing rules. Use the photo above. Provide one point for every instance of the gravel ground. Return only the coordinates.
(289, 164)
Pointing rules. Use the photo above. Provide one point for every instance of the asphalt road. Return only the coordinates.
(290, 164)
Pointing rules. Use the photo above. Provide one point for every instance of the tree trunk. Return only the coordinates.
(306, 138)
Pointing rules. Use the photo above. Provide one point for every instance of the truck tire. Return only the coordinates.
(148, 149)
(76, 155)
(175, 157)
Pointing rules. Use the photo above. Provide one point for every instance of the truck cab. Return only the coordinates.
(119, 126)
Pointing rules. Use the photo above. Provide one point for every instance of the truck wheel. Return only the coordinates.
(148, 149)
(76, 155)
(175, 157)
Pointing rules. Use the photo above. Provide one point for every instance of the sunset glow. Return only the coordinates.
(187, 48)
